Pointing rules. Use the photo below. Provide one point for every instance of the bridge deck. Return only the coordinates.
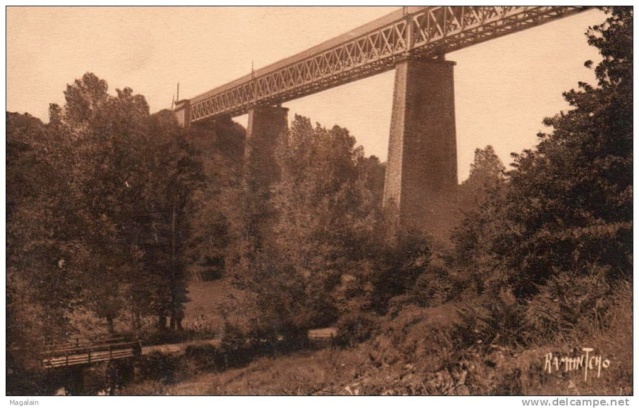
(425, 32)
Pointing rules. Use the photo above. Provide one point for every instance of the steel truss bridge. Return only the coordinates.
(422, 32)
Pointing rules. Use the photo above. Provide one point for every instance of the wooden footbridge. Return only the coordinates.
(84, 352)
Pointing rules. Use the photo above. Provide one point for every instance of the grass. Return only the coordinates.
(412, 352)
(208, 298)
(613, 342)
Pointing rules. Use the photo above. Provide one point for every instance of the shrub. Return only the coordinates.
(499, 321)
(233, 338)
(401, 261)
(570, 302)
(439, 284)
(159, 366)
(204, 356)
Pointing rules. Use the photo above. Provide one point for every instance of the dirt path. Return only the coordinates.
(320, 372)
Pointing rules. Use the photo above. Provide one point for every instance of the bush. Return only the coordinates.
(499, 321)
(28, 383)
(160, 367)
(204, 356)
(570, 302)
(233, 339)
(401, 261)
(438, 284)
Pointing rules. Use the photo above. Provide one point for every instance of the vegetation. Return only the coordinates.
(559, 228)
(97, 216)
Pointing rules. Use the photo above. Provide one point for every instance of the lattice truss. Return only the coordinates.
(427, 33)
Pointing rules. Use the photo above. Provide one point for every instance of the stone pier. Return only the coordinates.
(421, 173)
(266, 124)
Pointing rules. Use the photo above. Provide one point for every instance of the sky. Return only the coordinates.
(503, 88)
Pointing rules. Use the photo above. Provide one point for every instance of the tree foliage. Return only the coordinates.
(567, 204)
(481, 201)
(321, 213)
(220, 147)
(571, 198)
(39, 290)
(98, 204)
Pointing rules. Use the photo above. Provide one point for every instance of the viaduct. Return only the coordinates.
(421, 171)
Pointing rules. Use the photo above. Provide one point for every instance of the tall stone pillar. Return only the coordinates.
(421, 173)
(266, 124)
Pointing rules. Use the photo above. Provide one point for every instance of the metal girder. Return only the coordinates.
(424, 32)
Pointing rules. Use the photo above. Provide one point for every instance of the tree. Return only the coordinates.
(481, 202)
(98, 218)
(475, 201)
(116, 217)
(110, 177)
(320, 216)
(158, 227)
(486, 171)
(40, 287)
(220, 147)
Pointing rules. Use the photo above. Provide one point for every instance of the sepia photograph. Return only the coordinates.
(423, 200)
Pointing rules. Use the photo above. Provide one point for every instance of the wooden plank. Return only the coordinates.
(324, 333)
(90, 354)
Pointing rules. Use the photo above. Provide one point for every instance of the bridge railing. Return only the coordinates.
(78, 344)
(75, 353)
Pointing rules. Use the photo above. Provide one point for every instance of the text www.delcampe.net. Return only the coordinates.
(576, 402)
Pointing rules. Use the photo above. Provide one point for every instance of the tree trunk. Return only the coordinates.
(176, 320)
(137, 321)
(162, 322)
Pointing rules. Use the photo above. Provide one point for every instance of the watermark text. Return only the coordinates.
(586, 362)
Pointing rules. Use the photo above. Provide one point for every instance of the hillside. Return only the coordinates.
(415, 353)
